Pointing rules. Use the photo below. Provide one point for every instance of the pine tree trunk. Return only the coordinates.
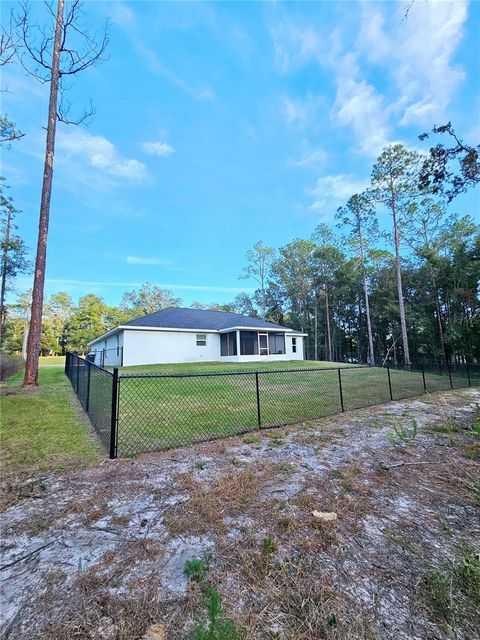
(369, 323)
(439, 315)
(25, 332)
(6, 242)
(34, 334)
(327, 319)
(398, 273)
(367, 305)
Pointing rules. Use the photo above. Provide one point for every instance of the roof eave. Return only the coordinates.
(255, 328)
(107, 334)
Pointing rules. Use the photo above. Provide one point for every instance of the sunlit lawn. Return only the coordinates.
(60, 360)
(41, 430)
(215, 367)
(161, 412)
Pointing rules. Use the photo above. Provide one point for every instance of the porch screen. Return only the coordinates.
(248, 343)
(276, 343)
(228, 344)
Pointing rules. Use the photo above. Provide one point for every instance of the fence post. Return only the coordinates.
(258, 400)
(450, 375)
(341, 390)
(66, 364)
(468, 376)
(389, 383)
(423, 378)
(78, 373)
(87, 402)
(113, 417)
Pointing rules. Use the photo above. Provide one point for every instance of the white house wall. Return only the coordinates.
(288, 345)
(113, 350)
(153, 347)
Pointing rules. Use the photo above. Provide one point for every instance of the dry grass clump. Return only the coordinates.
(88, 511)
(295, 599)
(107, 601)
(98, 613)
(234, 494)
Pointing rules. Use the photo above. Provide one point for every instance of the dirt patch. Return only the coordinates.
(100, 554)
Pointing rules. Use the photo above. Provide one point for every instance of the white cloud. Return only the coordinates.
(158, 148)
(127, 20)
(315, 158)
(121, 14)
(418, 74)
(333, 190)
(424, 73)
(100, 154)
(300, 112)
(292, 45)
(295, 45)
(359, 106)
(422, 67)
(293, 110)
(140, 260)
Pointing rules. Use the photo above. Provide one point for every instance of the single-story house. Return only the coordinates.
(196, 335)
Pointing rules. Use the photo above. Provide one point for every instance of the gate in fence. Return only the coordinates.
(137, 413)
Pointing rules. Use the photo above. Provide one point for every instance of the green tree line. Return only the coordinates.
(406, 290)
(321, 285)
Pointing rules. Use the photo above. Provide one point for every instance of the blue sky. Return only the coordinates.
(221, 124)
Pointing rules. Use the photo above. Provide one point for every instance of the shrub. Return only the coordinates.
(217, 626)
(195, 569)
(9, 365)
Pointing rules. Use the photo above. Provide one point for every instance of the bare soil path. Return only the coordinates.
(100, 553)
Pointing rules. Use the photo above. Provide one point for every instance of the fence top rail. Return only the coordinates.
(237, 373)
(89, 362)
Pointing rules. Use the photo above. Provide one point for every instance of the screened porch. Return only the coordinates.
(252, 343)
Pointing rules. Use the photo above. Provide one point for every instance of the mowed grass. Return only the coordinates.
(41, 430)
(163, 412)
(220, 367)
(59, 360)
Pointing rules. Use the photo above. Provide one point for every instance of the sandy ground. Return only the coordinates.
(100, 554)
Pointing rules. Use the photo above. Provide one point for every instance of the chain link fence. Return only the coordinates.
(137, 413)
(97, 393)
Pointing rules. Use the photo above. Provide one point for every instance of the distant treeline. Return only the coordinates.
(408, 290)
(315, 285)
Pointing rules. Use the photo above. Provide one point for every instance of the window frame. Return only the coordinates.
(201, 339)
(260, 348)
(294, 345)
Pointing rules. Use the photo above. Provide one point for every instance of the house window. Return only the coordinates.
(228, 344)
(294, 345)
(201, 339)
(276, 343)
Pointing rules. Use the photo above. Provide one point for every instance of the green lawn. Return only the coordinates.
(216, 367)
(60, 360)
(162, 412)
(40, 430)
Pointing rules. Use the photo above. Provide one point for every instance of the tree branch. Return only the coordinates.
(72, 60)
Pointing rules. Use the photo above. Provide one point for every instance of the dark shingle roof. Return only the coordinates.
(179, 318)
